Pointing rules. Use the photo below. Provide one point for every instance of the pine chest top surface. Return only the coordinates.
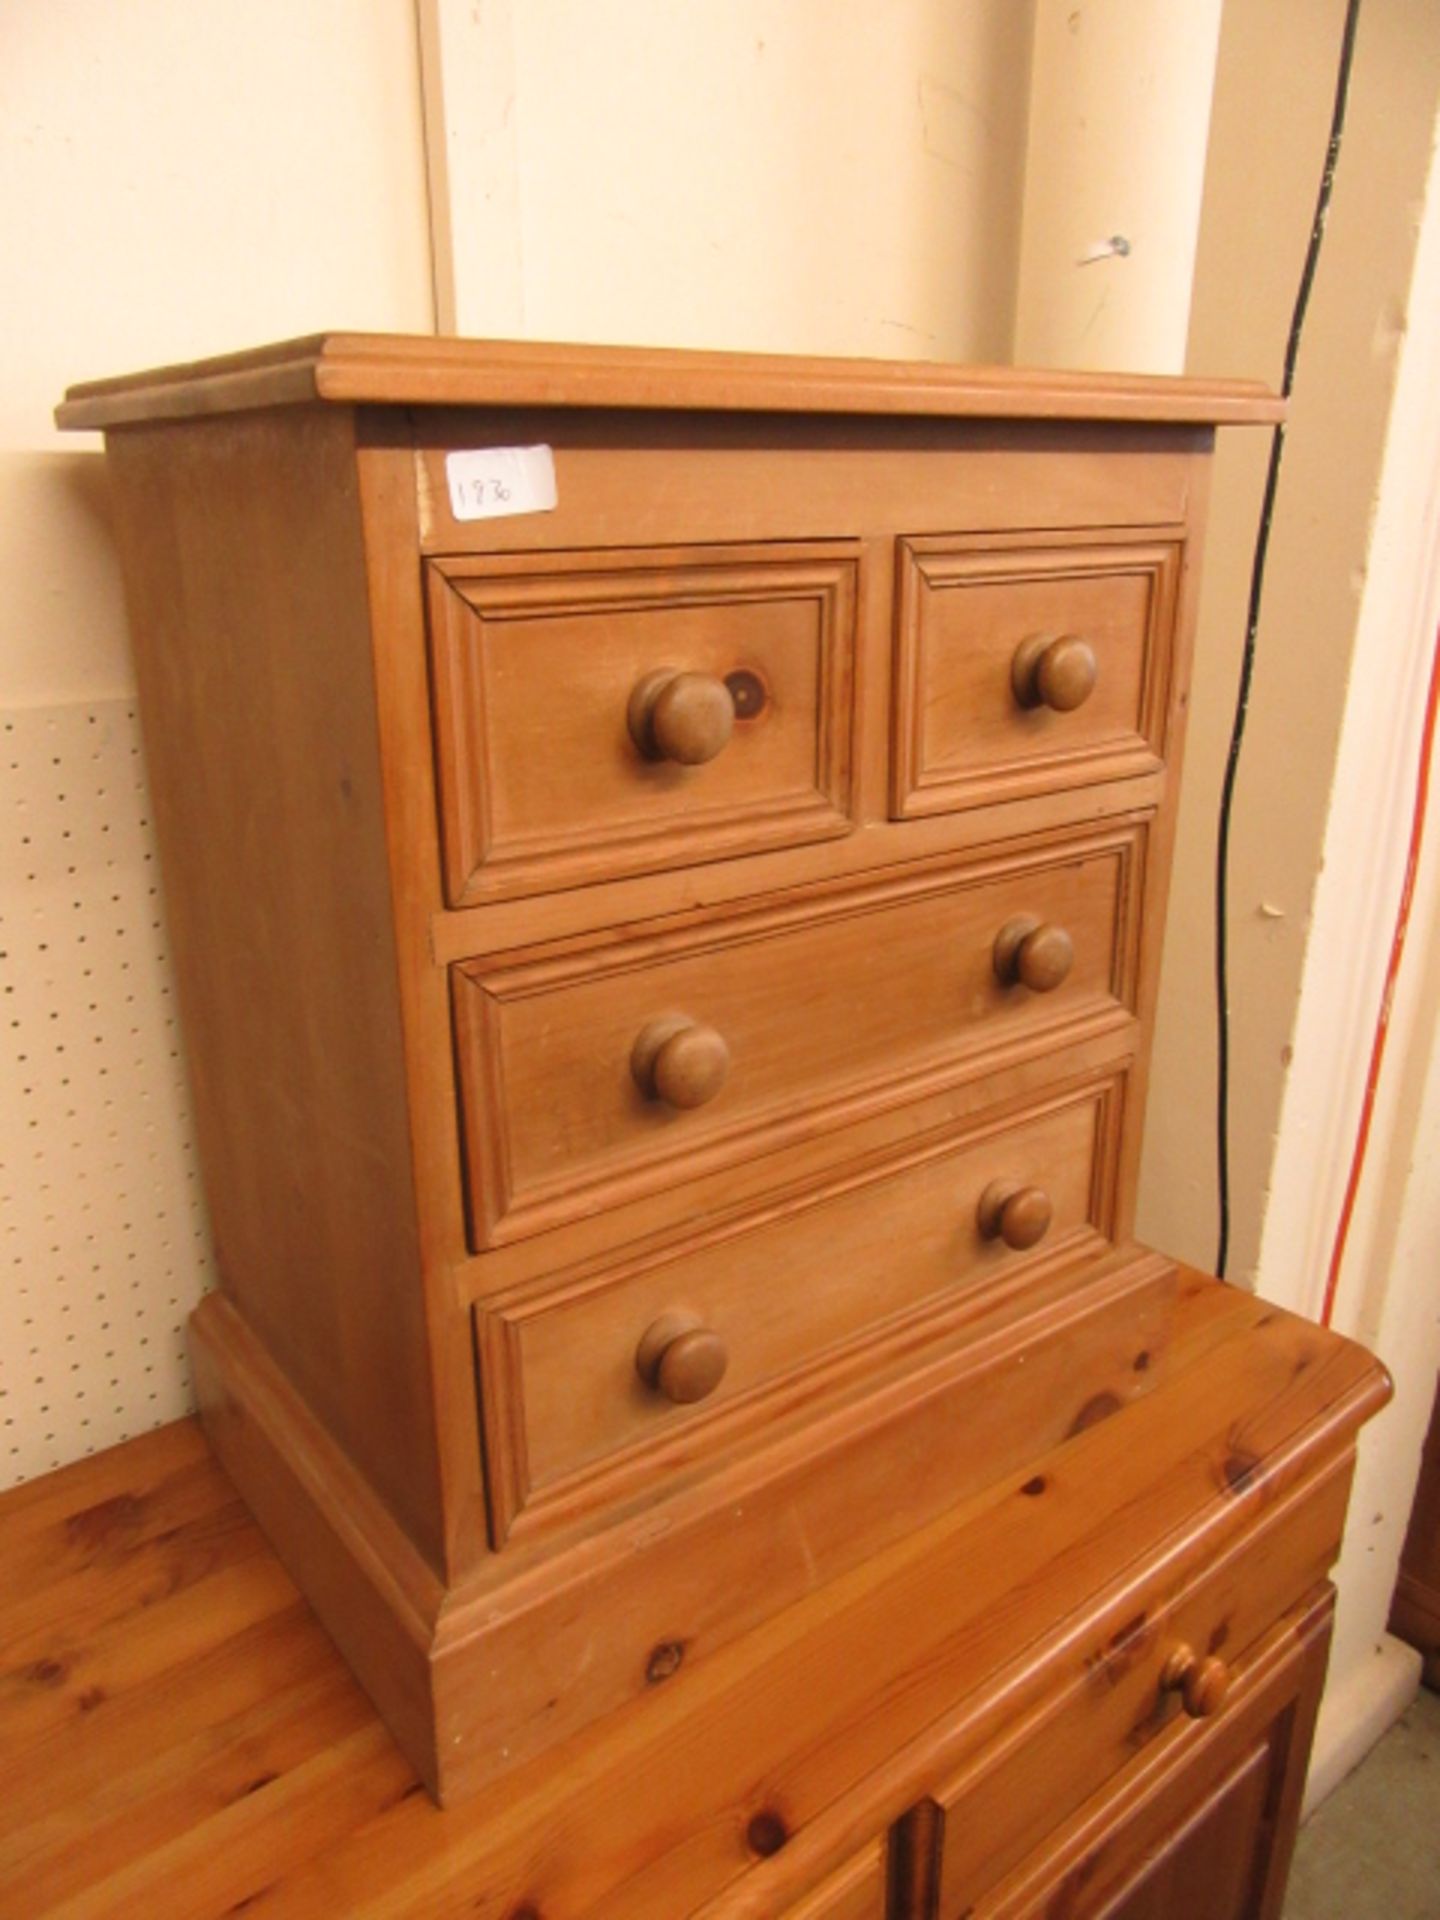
(429, 371)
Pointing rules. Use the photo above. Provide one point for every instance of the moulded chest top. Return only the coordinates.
(411, 370)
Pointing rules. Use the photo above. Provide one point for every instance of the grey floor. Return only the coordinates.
(1372, 1850)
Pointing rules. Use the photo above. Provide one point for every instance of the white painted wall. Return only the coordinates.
(180, 177)
(818, 176)
(177, 177)
(1119, 118)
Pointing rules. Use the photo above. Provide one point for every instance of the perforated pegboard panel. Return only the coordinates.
(103, 1240)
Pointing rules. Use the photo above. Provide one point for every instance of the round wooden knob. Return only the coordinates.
(680, 1358)
(1201, 1684)
(1032, 953)
(1018, 1215)
(1056, 672)
(684, 717)
(680, 1061)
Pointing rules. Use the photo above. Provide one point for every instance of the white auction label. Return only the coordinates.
(486, 482)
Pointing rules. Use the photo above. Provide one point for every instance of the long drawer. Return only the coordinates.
(644, 1358)
(593, 1072)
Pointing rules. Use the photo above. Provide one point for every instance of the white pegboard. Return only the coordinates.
(103, 1241)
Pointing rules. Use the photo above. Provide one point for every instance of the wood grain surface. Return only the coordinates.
(242, 549)
(425, 371)
(808, 1280)
(1415, 1614)
(545, 779)
(964, 734)
(179, 1738)
(832, 1010)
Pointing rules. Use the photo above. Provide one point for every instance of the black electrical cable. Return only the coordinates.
(1247, 659)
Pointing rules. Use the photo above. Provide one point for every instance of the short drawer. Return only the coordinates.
(730, 1325)
(1203, 1827)
(595, 1071)
(1023, 667)
(600, 714)
(1162, 1677)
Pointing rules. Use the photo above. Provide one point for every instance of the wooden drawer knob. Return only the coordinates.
(1052, 671)
(680, 1061)
(1018, 1215)
(680, 1358)
(1201, 1684)
(684, 717)
(1032, 953)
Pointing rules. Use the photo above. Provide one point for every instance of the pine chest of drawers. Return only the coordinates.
(667, 967)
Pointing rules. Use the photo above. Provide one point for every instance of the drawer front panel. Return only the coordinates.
(1005, 1805)
(619, 712)
(828, 1276)
(603, 1071)
(1025, 668)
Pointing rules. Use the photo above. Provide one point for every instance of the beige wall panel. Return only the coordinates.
(1266, 148)
(818, 176)
(180, 177)
(177, 177)
(1114, 165)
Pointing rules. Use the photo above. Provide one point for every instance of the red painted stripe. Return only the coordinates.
(1387, 998)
